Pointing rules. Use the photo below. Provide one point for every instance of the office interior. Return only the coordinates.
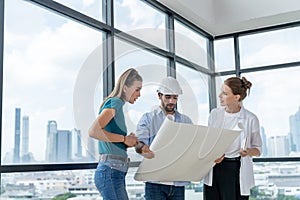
(59, 59)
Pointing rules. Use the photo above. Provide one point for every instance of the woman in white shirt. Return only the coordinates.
(232, 176)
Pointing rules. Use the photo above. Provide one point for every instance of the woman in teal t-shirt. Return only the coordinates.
(110, 130)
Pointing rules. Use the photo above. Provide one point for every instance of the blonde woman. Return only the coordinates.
(110, 130)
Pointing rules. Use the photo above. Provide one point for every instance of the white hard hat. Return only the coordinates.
(169, 86)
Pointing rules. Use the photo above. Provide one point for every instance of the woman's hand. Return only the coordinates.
(244, 152)
(220, 159)
(130, 140)
(249, 152)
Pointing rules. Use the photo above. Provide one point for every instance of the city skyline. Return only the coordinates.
(34, 68)
(69, 142)
(62, 145)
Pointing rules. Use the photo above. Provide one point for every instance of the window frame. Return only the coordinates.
(107, 27)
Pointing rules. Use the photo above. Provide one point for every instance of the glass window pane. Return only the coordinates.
(278, 180)
(152, 68)
(194, 101)
(44, 57)
(90, 8)
(275, 100)
(75, 184)
(49, 184)
(224, 55)
(190, 45)
(141, 20)
(275, 47)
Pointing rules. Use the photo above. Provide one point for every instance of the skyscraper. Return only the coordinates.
(76, 144)
(59, 144)
(295, 131)
(16, 156)
(64, 146)
(51, 149)
(278, 146)
(264, 142)
(25, 139)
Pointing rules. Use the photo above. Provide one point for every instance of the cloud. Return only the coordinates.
(87, 3)
(40, 70)
(274, 98)
(141, 15)
(274, 53)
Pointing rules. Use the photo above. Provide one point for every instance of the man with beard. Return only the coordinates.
(147, 129)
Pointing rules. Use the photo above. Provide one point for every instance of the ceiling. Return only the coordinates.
(221, 17)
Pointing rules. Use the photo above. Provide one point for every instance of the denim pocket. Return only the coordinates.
(100, 178)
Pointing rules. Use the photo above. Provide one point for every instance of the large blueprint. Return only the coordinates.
(184, 152)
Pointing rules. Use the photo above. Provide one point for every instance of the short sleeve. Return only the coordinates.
(115, 103)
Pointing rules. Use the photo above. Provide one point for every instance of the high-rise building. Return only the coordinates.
(64, 146)
(51, 149)
(59, 144)
(76, 144)
(16, 155)
(25, 139)
(92, 150)
(295, 131)
(278, 146)
(264, 142)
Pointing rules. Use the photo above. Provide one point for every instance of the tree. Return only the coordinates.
(64, 196)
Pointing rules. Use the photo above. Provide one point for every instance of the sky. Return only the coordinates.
(51, 69)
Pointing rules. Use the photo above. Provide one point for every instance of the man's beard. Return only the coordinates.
(167, 109)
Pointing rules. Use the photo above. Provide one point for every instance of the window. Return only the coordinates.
(269, 48)
(53, 86)
(152, 69)
(194, 101)
(276, 180)
(190, 45)
(43, 56)
(273, 98)
(90, 8)
(224, 55)
(141, 20)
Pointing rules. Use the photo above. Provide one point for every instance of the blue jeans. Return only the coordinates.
(110, 179)
(156, 191)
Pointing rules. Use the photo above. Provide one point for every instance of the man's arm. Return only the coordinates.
(143, 129)
(143, 134)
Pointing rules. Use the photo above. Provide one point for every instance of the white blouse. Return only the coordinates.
(249, 138)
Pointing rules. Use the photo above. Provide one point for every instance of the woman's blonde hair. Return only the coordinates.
(127, 78)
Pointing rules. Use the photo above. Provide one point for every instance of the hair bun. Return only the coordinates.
(245, 83)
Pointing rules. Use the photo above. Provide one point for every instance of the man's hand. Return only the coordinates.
(146, 152)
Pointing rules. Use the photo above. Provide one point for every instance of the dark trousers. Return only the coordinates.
(226, 182)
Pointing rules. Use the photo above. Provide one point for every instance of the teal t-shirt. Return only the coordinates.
(116, 125)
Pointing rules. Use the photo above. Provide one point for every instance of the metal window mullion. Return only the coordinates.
(72, 14)
(1, 77)
(192, 65)
(190, 25)
(170, 34)
(260, 30)
(237, 56)
(140, 43)
(212, 77)
(108, 49)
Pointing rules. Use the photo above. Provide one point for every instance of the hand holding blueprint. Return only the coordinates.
(184, 152)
